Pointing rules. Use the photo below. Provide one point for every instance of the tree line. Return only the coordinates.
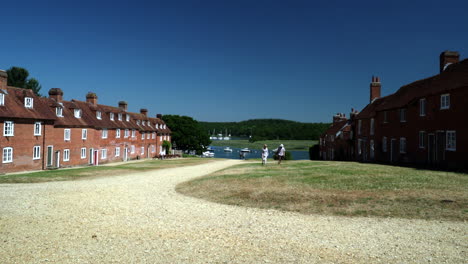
(267, 129)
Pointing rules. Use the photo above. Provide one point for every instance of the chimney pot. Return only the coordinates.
(123, 105)
(159, 116)
(375, 88)
(91, 98)
(3, 79)
(56, 94)
(448, 57)
(144, 111)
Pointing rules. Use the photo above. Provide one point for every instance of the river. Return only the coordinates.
(256, 153)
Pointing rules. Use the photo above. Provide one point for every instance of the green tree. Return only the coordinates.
(167, 146)
(187, 132)
(18, 77)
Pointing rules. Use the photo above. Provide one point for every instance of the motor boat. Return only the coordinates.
(210, 149)
(227, 149)
(208, 154)
(245, 150)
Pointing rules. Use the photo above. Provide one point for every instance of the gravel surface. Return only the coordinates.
(139, 218)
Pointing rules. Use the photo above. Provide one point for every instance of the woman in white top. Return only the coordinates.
(281, 152)
(264, 154)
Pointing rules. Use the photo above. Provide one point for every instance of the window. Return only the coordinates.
(359, 127)
(77, 113)
(403, 115)
(66, 155)
(138, 122)
(7, 155)
(133, 133)
(157, 126)
(111, 116)
(372, 126)
(120, 117)
(144, 123)
(59, 111)
(142, 135)
(83, 153)
(422, 107)
(422, 143)
(2, 99)
(98, 115)
(385, 117)
(127, 133)
(117, 151)
(66, 134)
(117, 133)
(359, 146)
(142, 150)
(36, 152)
(9, 129)
(127, 117)
(37, 128)
(445, 101)
(28, 102)
(103, 153)
(147, 135)
(104, 133)
(372, 149)
(384, 144)
(153, 136)
(132, 149)
(84, 133)
(451, 140)
(402, 145)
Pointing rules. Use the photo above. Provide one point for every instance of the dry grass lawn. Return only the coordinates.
(338, 188)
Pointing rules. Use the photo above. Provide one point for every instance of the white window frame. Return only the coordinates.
(99, 115)
(8, 128)
(2, 99)
(117, 151)
(127, 117)
(142, 151)
(84, 133)
(133, 133)
(59, 111)
(372, 127)
(142, 135)
(7, 155)
(83, 153)
(77, 113)
(144, 122)
(402, 145)
(104, 133)
(111, 116)
(28, 102)
(451, 140)
(120, 116)
(153, 136)
(36, 152)
(422, 107)
(147, 135)
(103, 153)
(67, 136)
(66, 155)
(422, 142)
(117, 133)
(384, 144)
(402, 115)
(126, 133)
(444, 101)
(138, 122)
(37, 128)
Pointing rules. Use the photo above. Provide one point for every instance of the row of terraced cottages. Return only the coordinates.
(40, 133)
(423, 123)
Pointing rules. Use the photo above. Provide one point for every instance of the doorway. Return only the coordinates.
(50, 156)
(57, 159)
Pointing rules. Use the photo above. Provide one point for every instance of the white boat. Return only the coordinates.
(208, 154)
(245, 150)
(210, 149)
(227, 149)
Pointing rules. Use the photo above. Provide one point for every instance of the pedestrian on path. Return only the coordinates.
(264, 154)
(280, 152)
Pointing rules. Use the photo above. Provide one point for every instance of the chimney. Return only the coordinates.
(447, 58)
(144, 111)
(375, 88)
(3, 79)
(91, 98)
(339, 117)
(56, 94)
(159, 116)
(123, 105)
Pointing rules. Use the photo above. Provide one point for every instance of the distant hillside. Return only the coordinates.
(262, 129)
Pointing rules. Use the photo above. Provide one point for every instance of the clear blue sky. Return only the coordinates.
(231, 60)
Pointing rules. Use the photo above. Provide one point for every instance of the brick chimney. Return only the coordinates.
(3, 79)
(375, 88)
(91, 98)
(353, 114)
(447, 58)
(56, 94)
(159, 116)
(144, 111)
(123, 105)
(339, 117)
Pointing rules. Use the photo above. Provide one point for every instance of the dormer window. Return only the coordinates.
(111, 116)
(59, 111)
(120, 117)
(127, 117)
(144, 123)
(98, 115)
(77, 113)
(28, 102)
(157, 126)
(138, 122)
(2, 99)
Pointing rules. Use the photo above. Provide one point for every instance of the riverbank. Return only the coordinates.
(272, 144)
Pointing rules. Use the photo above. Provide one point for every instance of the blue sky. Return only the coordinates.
(231, 60)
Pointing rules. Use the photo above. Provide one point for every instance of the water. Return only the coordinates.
(255, 154)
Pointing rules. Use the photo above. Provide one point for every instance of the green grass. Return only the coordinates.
(272, 144)
(338, 188)
(98, 171)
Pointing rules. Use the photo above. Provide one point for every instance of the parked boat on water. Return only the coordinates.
(208, 154)
(245, 150)
(227, 149)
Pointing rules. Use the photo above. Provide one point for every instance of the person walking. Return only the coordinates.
(281, 152)
(264, 154)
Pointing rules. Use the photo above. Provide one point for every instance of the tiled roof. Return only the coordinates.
(14, 105)
(334, 128)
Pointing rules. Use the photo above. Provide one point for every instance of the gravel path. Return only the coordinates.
(139, 218)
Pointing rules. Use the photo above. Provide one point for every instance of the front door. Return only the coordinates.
(125, 154)
(50, 156)
(91, 156)
(96, 157)
(57, 159)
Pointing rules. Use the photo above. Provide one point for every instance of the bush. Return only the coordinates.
(188, 156)
(314, 152)
(287, 156)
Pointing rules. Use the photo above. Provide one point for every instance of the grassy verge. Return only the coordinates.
(272, 144)
(99, 171)
(338, 188)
